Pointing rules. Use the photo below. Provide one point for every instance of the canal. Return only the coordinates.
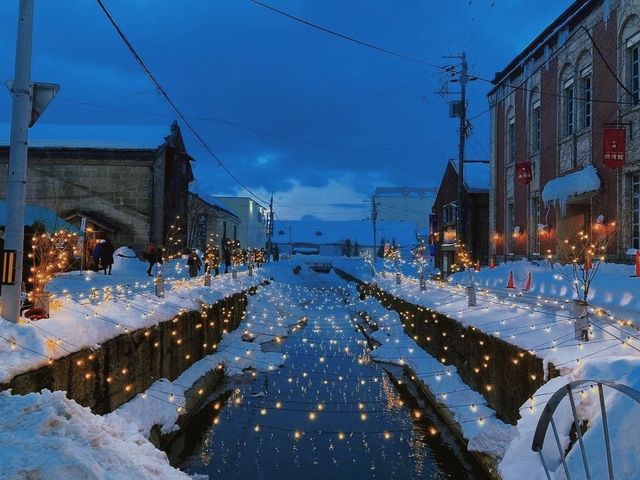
(328, 413)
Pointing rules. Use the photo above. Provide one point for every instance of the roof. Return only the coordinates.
(548, 35)
(405, 191)
(215, 203)
(476, 176)
(40, 214)
(92, 136)
(321, 232)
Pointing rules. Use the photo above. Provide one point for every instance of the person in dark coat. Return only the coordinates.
(226, 250)
(194, 263)
(106, 255)
(153, 254)
(97, 252)
(276, 253)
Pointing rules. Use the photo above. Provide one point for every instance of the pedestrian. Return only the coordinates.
(276, 253)
(106, 256)
(226, 250)
(194, 263)
(97, 252)
(154, 255)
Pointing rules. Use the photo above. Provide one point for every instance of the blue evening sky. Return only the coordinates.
(313, 118)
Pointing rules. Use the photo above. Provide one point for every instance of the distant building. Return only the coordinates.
(252, 231)
(209, 222)
(405, 204)
(475, 220)
(558, 110)
(129, 182)
(330, 237)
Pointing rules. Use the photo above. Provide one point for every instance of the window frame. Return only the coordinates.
(568, 107)
(536, 126)
(511, 140)
(586, 98)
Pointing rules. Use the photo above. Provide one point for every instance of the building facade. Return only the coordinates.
(209, 222)
(252, 230)
(404, 204)
(475, 218)
(132, 191)
(552, 109)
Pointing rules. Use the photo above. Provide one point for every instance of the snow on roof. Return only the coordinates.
(92, 136)
(320, 232)
(216, 202)
(561, 188)
(37, 213)
(476, 176)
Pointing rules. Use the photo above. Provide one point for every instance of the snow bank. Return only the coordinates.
(561, 188)
(45, 435)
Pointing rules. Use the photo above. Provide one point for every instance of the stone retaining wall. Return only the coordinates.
(504, 374)
(109, 376)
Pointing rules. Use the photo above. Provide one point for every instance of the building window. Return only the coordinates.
(633, 49)
(567, 109)
(511, 141)
(535, 127)
(585, 98)
(635, 207)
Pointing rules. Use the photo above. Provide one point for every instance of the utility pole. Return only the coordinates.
(29, 101)
(374, 217)
(270, 231)
(17, 173)
(459, 109)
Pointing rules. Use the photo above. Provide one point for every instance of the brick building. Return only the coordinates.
(131, 183)
(549, 109)
(475, 223)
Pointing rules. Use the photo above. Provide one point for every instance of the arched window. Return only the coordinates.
(584, 91)
(630, 61)
(534, 121)
(567, 102)
(511, 136)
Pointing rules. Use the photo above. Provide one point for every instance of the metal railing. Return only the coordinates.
(546, 419)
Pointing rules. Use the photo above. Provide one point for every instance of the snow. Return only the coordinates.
(92, 136)
(561, 188)
(40, 214)
(45, 435)
(89, 308)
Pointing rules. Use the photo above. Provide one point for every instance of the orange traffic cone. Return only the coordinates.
(492, 263)
(527, 285)
(510, 283)
(478, 266)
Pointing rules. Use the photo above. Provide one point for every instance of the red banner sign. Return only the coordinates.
(614, 146)
(523, 173)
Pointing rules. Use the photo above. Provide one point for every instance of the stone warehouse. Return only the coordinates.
(130, 183)
(557, 110)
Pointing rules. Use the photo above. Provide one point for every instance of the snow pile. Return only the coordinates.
(45, 435)
(90, 308)
(269, 316)
(623, 416)
(561, 188)
(478, 422)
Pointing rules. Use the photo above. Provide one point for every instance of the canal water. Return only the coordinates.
(329, 413)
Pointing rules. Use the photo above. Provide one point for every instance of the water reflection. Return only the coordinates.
(329, 413)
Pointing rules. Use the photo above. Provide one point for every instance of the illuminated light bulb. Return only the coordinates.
(297, 434)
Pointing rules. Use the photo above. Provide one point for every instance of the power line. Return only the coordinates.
(171, 103)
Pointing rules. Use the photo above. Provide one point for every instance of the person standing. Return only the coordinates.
(106, 255)
(97, 252)
(194, 263)
(153, 254)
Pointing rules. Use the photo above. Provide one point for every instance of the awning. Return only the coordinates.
(576, 183)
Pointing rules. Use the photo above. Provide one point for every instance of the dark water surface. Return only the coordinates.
(329, 413)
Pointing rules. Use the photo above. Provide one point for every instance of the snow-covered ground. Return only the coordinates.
(539, 320)
(90, 307)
